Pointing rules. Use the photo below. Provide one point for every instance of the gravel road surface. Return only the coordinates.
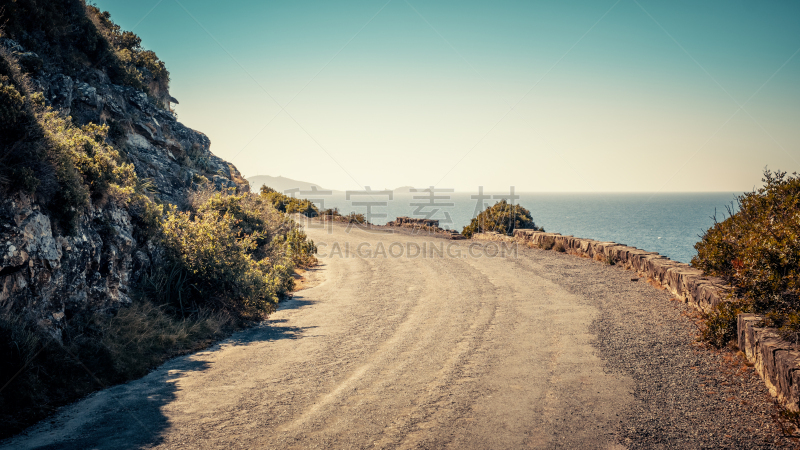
(419, 342)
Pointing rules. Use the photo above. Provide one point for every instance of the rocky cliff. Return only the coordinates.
(51, 274)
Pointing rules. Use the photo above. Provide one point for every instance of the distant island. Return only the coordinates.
(283, 184)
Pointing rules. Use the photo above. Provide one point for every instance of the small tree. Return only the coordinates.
(501, 218)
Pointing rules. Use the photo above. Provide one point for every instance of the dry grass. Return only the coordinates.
(547, 243)
(142, 336)
(38, 374)
(655, 283)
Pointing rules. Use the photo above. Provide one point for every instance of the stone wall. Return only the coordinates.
(685, 282)
(412, 222)
(776, 360)
(429, 225)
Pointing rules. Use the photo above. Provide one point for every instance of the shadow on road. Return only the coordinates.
(269, 330)
(131, 415)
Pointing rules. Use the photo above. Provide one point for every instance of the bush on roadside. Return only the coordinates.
(290, 205)
(234, 253)
(300, 249)
(547, 243)
(720, 325)
(353, 217)
(501, 218)
(757, 251)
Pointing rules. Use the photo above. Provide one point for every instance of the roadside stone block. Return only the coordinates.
(776, 360)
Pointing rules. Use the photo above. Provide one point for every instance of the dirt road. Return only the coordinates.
(419, 342)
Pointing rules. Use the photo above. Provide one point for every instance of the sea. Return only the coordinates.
(667, 223)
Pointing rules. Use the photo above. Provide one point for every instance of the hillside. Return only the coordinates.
(88, 143)
(282, 184)
(107, 204)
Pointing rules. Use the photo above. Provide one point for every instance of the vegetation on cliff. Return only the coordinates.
(284, 203)
(502, 218)
(45, 154)
(70, 35)
(216, 264)
(757, 250)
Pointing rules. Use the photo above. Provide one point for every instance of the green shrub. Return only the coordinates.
(237, 253)
(284, 203)
(254, 216)
(221, 272)
(501, 218)
(757, 250)
(100, 165)
(720, 324)
(72, 196)
(334, 214)
(12, 105)
(300, 249)
(85, 167)
(132, 65)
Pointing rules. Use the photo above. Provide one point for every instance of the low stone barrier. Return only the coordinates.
(424, 224)
(413, 222)
(682, 280)
(776, 360)
(492, 236)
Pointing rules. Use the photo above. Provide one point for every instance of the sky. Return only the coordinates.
(545, 96)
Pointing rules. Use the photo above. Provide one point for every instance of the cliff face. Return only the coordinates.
(48, 274)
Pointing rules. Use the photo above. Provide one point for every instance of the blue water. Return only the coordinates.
(669, 224)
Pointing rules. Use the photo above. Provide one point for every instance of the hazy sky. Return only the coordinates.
(543, 95)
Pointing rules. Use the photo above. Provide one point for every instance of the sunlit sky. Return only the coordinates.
(542, 95)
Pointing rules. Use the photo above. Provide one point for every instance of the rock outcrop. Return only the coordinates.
(162, 149)
(50, 275)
